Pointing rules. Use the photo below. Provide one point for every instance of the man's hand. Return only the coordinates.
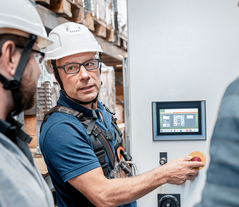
(180, 170)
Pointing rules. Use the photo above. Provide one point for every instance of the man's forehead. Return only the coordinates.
(79, 56)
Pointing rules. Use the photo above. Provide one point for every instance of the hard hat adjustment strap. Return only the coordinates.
(53, 62)
(100, 55)
(24, 57)
(14, 86)
(9, 84)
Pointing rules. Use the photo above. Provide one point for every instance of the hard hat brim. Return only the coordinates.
(41, 42)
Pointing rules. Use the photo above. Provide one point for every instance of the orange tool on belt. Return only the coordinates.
(121, 151)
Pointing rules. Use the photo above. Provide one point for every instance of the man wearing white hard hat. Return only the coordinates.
(22, 35)
(74, 132)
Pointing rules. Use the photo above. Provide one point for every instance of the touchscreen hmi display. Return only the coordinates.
(179, 120)
(183, 120)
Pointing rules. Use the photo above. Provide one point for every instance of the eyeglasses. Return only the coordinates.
(72, 68)
(38, 55)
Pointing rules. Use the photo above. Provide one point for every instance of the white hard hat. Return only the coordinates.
(68, 39)
(20, 17)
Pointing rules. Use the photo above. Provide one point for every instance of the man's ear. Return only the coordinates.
(9, 58)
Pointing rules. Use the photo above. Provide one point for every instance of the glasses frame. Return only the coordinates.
(80, 64)
(41, 53)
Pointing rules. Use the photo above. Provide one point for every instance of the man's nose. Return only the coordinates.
(83, 73)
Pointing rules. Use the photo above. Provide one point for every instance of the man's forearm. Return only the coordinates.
(125, 190)
(118, 191)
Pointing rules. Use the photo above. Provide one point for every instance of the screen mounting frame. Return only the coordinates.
(178, 136)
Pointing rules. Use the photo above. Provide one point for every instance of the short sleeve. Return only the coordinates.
(68, 148)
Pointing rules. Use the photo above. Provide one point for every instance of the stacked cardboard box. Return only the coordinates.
(102, 10)
(107, 92)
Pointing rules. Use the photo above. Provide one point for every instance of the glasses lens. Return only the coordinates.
(91, 64)
(39, 57)
(71, 68)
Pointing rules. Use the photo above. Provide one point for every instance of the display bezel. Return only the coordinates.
(158, 135)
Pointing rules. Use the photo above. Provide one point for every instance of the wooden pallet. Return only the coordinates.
(110, 35)
(66, 8)
(43, 2)
(120, 41)
(39, 161)
(78, 3)
(123, 43)
(73, 10)
(78, 15)
(30, 127)
(89, 21)
(99, 29)
(61, 7)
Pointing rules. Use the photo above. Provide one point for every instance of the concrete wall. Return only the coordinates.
(179, 50)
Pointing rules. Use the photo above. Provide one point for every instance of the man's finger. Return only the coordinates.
(196, 164)
(187, 158)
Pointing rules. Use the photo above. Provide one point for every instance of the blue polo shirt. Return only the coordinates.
(68, 150)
